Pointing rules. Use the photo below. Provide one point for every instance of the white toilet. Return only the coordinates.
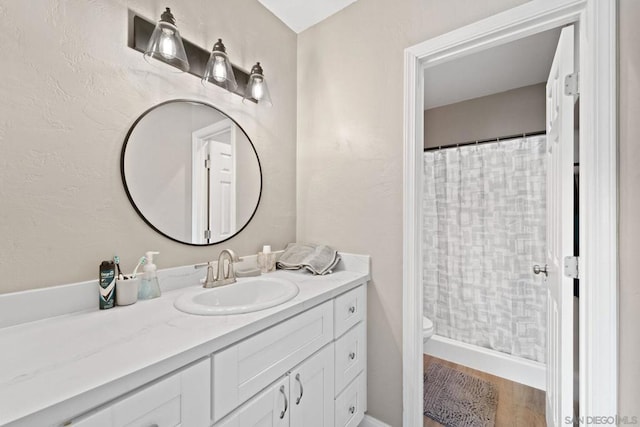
(427, 329)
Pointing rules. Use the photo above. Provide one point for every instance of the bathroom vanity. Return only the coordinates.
(301, 363)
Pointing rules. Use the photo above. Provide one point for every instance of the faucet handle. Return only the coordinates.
(211, 277)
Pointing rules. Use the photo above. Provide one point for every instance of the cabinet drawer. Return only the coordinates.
(101, 418)
(244, 369)
(352, 403)
(157, 404)
(350, 356)
(182, 399)
(349, 309)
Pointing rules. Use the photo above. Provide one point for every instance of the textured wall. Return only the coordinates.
(70, 90)
(502, 114)
(629, 84)
(350, 77)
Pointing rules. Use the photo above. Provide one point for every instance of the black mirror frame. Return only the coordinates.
(126, 188)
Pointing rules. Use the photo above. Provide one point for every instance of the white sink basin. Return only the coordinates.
(245, 296)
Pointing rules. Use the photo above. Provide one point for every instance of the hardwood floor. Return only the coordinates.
(518, 405)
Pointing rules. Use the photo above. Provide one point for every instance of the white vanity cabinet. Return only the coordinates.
(350, 357)
(180, 399)
(307, 371)
(268, 409)
(312, 385)
(243, 369)
(300, 365)
(302, 397)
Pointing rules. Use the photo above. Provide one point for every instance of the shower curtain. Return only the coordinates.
(483, 229)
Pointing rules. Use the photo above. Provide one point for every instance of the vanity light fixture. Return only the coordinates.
(162, 42)
(219, 68)
(166, 44)
(257, 89)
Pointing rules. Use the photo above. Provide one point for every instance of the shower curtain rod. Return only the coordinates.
(486, 141)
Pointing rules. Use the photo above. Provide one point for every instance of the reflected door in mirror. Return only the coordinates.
(214, 182)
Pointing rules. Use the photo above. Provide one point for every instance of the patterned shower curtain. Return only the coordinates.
(484, 228)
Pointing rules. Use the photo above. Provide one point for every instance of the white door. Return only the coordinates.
(213, 183)
(270, 408)
(222, 191)
(560, 233)
(312, 390)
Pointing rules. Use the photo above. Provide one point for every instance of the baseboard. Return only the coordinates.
(493, 362)
(369, 421)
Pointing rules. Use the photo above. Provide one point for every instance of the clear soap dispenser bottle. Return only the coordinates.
(149, 286)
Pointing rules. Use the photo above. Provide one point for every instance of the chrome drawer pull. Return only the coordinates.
(352, 355)
(299, 398)
(286, 402)
(352, 409)
(352, 309)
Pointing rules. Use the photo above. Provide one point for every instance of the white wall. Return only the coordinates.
(70, 90)
(350, 82)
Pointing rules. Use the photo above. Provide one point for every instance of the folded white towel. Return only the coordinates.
(318, 259)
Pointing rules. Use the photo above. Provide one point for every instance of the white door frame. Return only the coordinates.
(596, 23)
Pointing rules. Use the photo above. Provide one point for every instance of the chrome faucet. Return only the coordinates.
(228, 276)
(225, 276)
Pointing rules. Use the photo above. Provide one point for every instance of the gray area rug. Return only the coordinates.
(456, 399)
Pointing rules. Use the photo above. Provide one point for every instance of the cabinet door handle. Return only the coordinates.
(352, 409)
(286, 402)
(299, 398)
(537, 270)
(352, 309)
(352, 355)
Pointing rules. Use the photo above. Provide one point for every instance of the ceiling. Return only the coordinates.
(302, 14)
(509, 66)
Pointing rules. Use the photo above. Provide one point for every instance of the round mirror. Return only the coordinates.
(191, 172)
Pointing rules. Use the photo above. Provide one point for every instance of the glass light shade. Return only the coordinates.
(166, 45)
(219, 70)
(257, 89)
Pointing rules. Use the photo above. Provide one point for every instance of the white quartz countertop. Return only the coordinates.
(83, 359)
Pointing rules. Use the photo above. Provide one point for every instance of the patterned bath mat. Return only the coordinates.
(456, 399)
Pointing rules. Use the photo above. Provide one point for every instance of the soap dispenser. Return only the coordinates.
(149, 286)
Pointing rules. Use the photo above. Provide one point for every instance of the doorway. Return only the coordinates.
(597, 159)
(483, 208)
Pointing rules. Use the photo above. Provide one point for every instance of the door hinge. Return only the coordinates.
(207, 164)
(571, 84)
(207, 234)
(571, 266)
